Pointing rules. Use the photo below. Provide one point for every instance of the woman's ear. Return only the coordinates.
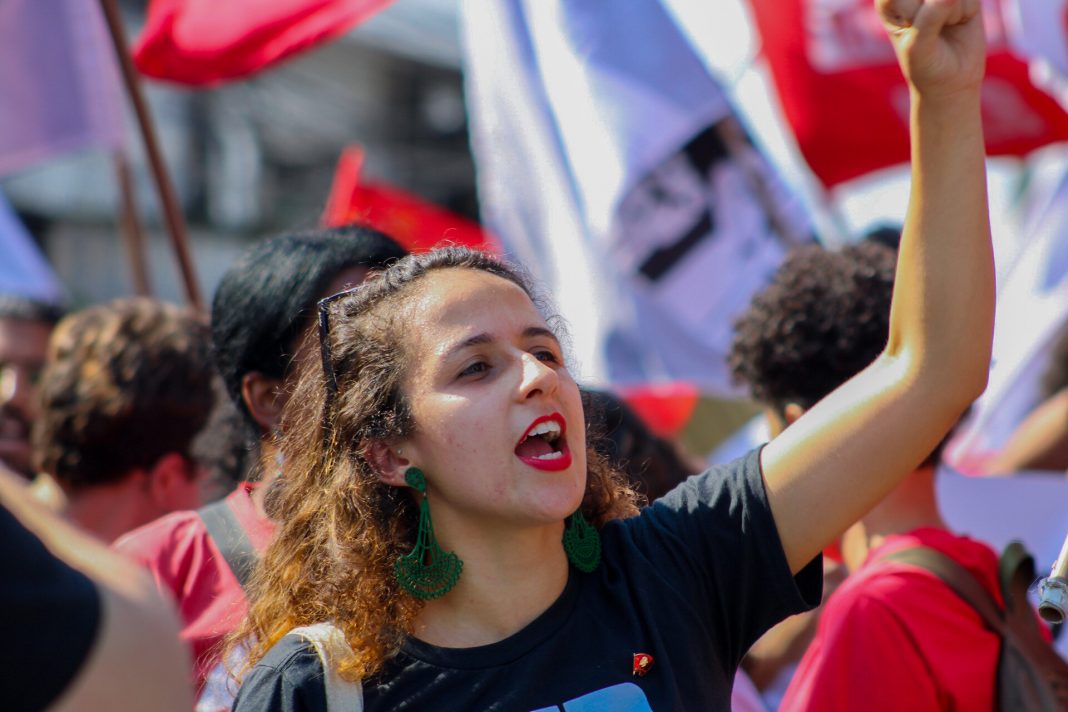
(388, 461)
(265, 397)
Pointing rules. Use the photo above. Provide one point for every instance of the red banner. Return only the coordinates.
(202, 42)
(847, 102)
(413, 222)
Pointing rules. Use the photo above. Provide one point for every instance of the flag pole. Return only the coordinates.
(132, 234)
(172, 213)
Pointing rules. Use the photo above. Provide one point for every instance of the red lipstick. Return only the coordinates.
(543, 445)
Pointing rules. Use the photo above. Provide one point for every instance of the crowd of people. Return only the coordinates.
(369, 481)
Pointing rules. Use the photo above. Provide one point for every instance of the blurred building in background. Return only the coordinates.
(257, 156)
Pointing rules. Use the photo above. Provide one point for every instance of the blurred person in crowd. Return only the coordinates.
(126, 388)
(263, 307)
(653, 465)
(891, 636)
(85, 630)
(25, 325)
(222, 448)
(1040, 442)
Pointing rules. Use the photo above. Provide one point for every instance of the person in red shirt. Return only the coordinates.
(262, 308)
(892, 636)
(895, 637)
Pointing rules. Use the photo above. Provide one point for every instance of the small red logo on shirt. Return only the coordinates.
(642, 663)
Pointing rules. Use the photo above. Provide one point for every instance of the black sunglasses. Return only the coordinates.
(323, 305)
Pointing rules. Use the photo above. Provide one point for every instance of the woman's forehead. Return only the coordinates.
(449, 291)
(452, 301)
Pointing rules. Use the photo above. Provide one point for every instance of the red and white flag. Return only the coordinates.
(204, 42)
(59, 87)
(847, 102)
(611, 165)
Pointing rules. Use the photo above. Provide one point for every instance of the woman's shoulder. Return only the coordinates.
(289, 677)
(731, 485)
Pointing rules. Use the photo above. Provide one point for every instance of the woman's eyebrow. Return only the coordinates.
(476, 340)
(486, 338)
(534, 331)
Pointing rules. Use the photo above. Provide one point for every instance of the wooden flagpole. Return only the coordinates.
(132, 234)
(172, 213)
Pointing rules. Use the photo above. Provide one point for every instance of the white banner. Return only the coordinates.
(1032, 312)
(610, 164)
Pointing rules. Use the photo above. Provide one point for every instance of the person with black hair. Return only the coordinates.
(261, 311)
(266, 302)
(892, 636)
(25, 325)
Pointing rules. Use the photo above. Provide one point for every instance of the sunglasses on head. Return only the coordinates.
(323, 306)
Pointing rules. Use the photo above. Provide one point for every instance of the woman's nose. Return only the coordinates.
(539, 378)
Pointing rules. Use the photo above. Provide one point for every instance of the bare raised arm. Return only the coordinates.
(846, 453)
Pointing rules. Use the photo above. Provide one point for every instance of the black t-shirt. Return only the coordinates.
(693, 582)
(49, 615)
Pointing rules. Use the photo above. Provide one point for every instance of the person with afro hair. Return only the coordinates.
(891, 631)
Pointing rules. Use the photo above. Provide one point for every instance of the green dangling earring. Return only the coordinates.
(582, 543)
(426, 571)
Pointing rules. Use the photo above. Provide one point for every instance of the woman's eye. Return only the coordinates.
(546, 355)
(475, 368)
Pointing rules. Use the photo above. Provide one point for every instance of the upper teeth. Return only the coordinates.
(549, 427)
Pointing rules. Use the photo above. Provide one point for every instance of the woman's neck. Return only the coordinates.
(506, 583)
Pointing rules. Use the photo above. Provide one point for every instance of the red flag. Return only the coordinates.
(665, 408)
(203, 42)
(416, 224)
(846, 99)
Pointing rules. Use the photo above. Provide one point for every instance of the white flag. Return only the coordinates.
(610, 164)
(1032, 312)
(1038, 30)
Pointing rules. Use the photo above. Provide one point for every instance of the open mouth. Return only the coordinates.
(543, 445)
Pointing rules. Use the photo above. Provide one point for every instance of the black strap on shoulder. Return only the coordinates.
(1016, 571)
(959, 579)
(229, 536)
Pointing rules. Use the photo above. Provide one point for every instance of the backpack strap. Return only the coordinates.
(230, 537)
(329, 644)
(960, 581)
(1016, 572)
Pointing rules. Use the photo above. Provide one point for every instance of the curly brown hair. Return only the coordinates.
(124, 384)
(341, 529)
